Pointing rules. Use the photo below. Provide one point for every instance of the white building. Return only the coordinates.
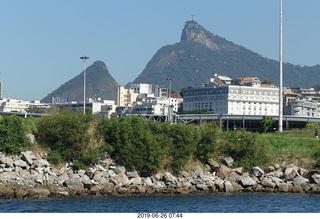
(233, 99)
(13, 105)
(302, 108)
(126, 97)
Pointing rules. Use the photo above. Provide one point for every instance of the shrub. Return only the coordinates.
(243, 147)
(68, 135)
(210, 135)
(13, 137)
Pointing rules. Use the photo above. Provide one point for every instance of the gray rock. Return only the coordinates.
(228, 187)
(20, 163)
(132, 174)
(213, 164)
(316, 179)
(277, 166)
(74, 184)
(81, 173)
(228, 161)
(201, 186)
(120, 169)
(28, 156)
(121, 179)
(257, 171)
(233, 176)
(266, 182)
(271, 169)
(169, 178)
(291, 172)
(300, 180)
(283, 187)
(98, 176)
(246, 181)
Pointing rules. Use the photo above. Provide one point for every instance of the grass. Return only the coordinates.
(294, 146)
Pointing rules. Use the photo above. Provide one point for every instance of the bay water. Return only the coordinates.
(199, 203)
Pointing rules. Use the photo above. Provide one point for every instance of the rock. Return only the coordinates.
(28, 156)
(257, 171)
(74, 184)
(291, 172)
(246, 181)
(228, 161)
(236, 187)
(257, 188)
(213, 164)
(148, 182)
(297, 189)
(6, 191)
(271, 169)
(219, 184)
(98, 176)
(121, 179)
(202, 187)
(233, 176)
(299, 180)
(81, 173)
(169, 178)
(39, 192)
(266, 182)
(277, 166)
(315, 178)
(223, 172)
(20, 163)
(283, 187)
(120, 169)
(228, 187)
(132, 174)
(135, 181)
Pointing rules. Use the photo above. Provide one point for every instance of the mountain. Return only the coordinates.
(99, 84)
(200, 54)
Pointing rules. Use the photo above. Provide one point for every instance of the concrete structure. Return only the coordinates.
(233, 99)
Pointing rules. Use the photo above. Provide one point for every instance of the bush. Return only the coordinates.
(13, 137)
(210, 135)
(67, 134)
(243, 147)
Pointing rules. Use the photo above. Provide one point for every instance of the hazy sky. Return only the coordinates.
(41, 41)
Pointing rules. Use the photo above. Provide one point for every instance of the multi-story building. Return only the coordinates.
(302, 108)
(233, 99)
(126, 97)
(14, 105)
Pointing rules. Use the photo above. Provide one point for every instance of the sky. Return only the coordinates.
(41, 41)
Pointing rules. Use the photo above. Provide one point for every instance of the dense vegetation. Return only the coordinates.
(149, 146)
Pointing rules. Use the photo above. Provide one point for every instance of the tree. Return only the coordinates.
(266, 124)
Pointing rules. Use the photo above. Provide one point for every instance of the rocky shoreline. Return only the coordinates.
(23, 177)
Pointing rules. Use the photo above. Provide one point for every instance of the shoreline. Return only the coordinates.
(23, 177)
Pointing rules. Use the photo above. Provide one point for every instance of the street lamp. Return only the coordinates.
(84, 83)
(280, 73)
(169, 94)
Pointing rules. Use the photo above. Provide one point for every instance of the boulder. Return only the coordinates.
(228, 161)
(257, 171)
(170, 179)
(300, 180)
(132, 174)
(246, 181)
(98, 176)
(223, 172)
(74, 184)
(39, 192)
(266, 182)
(291, 172)
(28, 156)
(213, 164)
(228, 187)
(283, 187)
(297, 189)
(315, 178)
(121, 179)
(120, 169)
(20, 163)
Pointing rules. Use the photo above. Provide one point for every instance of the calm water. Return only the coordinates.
(208, 203)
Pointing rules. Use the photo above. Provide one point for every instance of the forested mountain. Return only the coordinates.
(200, 54)
(99, 84)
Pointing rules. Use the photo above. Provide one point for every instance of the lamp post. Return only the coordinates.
(169, 94)
(84, 83)
(280, 73)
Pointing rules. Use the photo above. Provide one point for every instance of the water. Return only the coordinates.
(202, 203)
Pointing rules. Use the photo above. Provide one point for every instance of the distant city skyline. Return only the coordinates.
(41, 41)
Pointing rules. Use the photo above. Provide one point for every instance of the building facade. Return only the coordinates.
(233, 99)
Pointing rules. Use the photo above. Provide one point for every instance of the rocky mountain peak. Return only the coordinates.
(193, 31)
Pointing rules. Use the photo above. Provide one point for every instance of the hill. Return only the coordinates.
(200, 54)
(99, 84)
